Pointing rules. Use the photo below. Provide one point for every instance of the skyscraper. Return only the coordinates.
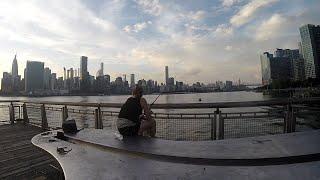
(296, 62)
(290, 53)
(84, 74)
(6, 83)
(53, 85)
(310, 42)
(275, 68)
(84, 67)
(132, 81)
(167, 75)
(34, 76)
(100, 72)
(47, 78)
(15, 75)
(14, 71)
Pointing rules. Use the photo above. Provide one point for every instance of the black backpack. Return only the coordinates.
(70, 127)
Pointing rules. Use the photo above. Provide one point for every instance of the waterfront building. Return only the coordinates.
(296, 66)
(143, 83)
(132, 81)
(219, 85)
(84, 74)
(14, 71)
(100, 72)
(16, 79)
(91, 80)
(310, 42)
(278, 67)
(76, 85)
(83, 67)
(300, 49)
(171, 81)
(118, 81)
(100, 84)
(53, 82)
(34, 76)
(298, 70)
(6, 83)
(60, 83)
(179, 86)
(167, 75)
(170, 85)
(47, 78)
(290, 53)
(228, 85)
(108, 79)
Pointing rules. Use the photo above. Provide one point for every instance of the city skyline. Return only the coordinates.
(141, 37)
(76, 71)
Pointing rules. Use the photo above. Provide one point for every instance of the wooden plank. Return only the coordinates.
(18, 157)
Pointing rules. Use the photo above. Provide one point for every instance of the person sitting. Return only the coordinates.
(135, 116)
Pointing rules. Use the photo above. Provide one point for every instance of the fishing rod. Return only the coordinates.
(155, 99)
(151, 105)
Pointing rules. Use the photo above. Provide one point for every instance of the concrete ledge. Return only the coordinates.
(254, 151)
(97, 154)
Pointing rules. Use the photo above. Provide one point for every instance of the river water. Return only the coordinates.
(164, 98)
(240, 96)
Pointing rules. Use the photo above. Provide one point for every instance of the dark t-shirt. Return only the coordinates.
(131, 110)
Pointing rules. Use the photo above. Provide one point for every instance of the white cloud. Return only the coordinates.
(247, 12)
(223, 30)
(152, 7)
(198, 15)
(269, 28)
(229, 3)
(137, 27)
(58, 30)
(188, 39)
(228, 48)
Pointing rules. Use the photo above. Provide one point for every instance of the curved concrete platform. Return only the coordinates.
(264, 150)
(98, 154)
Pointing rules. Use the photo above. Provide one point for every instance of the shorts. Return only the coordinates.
(129, 130)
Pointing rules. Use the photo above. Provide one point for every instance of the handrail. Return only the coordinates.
(9, 101)
(214, 117)
(190, 105)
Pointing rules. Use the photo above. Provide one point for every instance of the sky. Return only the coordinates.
(200, 40)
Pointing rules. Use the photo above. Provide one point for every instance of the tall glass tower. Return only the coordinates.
(167, 75)
(84, 74)
(310, 45)
(34, 76)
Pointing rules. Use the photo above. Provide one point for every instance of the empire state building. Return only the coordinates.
(14, 71)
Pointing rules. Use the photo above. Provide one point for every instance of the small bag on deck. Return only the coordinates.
(70, 127)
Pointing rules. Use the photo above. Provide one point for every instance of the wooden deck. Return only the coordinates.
(19, 159)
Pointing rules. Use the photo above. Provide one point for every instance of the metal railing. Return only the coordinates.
(218, 121)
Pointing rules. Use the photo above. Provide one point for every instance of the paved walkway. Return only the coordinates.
(19, 159)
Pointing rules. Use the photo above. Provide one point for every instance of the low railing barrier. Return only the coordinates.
(218, 121)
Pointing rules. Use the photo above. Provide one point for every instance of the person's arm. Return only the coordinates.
(146, 108)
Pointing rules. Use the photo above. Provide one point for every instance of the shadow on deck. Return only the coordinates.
(19, 159)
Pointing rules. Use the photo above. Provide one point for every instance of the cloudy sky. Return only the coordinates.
(200, 40)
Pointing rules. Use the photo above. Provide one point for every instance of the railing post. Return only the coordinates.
(25, 113)
(221, 124)
(98, 118)
(11, 113)
(44, 121)
(64, 113)
(214, 127)
(290, 120)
